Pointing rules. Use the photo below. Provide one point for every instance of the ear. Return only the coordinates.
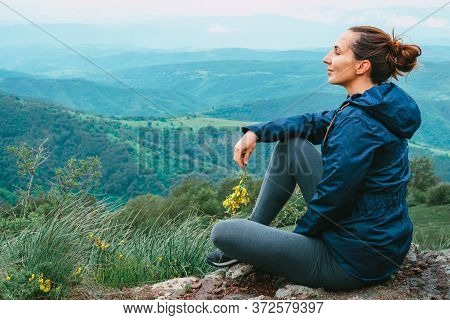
(362, 67)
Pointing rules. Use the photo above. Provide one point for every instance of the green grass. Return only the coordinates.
(194, 123)
(51, 249)
(431, 226)
(188, 122)
(66, 247)
(175, 249)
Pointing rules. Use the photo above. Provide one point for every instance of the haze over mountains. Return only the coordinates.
(258, 31)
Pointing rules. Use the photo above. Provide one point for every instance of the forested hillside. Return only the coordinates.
(135, 159)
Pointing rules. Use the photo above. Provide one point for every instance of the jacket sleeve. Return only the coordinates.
(349, 154)
(310, 126)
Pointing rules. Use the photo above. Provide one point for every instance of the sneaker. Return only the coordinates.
(218, 259)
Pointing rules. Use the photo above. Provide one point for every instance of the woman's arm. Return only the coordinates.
(310, 126)
(350, 152)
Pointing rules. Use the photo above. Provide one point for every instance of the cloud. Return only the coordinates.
(399, 21)
(435, 23)
(408, 21)
(367, 17)
(378, 17)
(320, 15)
(218, 28)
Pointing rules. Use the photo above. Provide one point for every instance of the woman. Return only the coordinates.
(356, 230)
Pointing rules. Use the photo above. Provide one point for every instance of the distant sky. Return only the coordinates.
(271, 24)
(112, 11)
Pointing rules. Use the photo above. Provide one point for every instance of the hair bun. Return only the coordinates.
(395, 43)
(388, 55)
(403, 57)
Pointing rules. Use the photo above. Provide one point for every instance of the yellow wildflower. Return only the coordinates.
(45, 285)
(120, 257)
(97, 242)
(90, 236)
(7, 277)
(239, 198)
(121, 242)
(104, 245)
(101, 244)
(31, 277)
(78, 271)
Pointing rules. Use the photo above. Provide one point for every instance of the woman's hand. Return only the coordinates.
(244, 148)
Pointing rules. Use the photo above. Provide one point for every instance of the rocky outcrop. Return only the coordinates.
(423, 275)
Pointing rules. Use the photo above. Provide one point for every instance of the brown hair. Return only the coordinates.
(388, 56)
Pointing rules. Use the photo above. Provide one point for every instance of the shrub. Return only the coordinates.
(196, 194)
(416, 196)
(143, 211)
(294, 208)
(438, 194)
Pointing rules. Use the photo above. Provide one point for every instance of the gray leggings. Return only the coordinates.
(302, 260)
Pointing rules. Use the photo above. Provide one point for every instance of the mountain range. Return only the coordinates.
(145, 109)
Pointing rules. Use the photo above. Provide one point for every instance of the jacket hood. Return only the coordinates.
(392, 106)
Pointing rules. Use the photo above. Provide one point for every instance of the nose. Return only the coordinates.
(327, 58)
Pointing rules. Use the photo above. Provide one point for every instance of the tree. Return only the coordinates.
(79, 175)
(422, 174)
(29, 160)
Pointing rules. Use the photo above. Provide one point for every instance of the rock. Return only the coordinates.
(196, 285)
(241, 296)
(238, 271)
(296, 292)
(261, 297)
(173, 288)
(445, 253)
(411, 257)
(218, 275)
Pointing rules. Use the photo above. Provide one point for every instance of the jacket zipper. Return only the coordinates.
(332, 121)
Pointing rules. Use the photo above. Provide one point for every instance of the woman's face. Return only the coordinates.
(341, 63)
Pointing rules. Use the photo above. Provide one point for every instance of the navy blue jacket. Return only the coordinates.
(359, 208)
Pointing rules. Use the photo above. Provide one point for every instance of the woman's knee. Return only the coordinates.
(220, 232)
(295, 147)
(301, 155)
(225, 232)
